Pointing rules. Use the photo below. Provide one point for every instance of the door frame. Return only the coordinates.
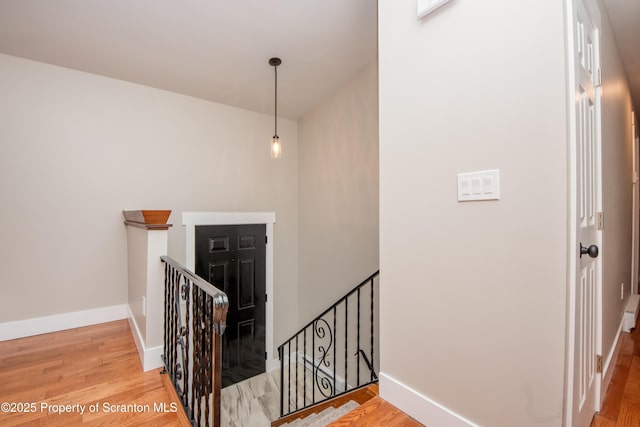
(572, 237)
(635, 214)
(191, 219)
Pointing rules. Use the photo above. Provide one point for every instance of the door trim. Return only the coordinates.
(191, 219)
(635, 215)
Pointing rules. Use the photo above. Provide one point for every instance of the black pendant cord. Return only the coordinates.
(274, 62)
(276, 101)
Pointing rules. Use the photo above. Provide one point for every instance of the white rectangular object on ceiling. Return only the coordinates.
(425, 7)
(482, 185)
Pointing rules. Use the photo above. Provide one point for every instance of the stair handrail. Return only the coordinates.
(220, 299)
(195, 317)
(342, 299)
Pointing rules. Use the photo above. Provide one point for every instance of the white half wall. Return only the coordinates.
(146, 292)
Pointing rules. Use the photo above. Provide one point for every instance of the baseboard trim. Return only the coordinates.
(609, 363)
(61, 322)
(418, 406)
(150, 358)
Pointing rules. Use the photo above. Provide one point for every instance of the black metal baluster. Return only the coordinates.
(208, 346)
(346, 342)
(174, 354)
(184, 344)
(203, 378)
(313, 363)
(201, 386)
(187, 366)
(169, 362)
(289, 376)
(372, 331)
(164, 313)
(280, 353)
(203, 369)
(167, 274)
(195, 386)
(172, 361)
(196, 353)
(174, 336)
(297, 372)
(358, 342)
(174, 330)
(304, 366)
(335, 337)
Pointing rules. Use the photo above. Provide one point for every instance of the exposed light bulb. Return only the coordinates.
(276, 148)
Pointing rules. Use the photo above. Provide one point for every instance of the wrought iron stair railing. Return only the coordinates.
(323, 360)
(195, 315)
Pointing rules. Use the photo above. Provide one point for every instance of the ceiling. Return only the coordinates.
(625, 20)
(219, 49)
(212, 49)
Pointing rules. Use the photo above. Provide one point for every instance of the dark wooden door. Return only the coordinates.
(232, 258)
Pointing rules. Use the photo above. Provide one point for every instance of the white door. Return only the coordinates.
(586, 294)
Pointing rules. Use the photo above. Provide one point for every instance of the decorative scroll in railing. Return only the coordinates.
(334, 353)
(195, 314)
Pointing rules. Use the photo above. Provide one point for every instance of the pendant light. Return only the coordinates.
(276, 145)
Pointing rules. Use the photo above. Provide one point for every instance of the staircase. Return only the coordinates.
(354, 399)
(333, 356)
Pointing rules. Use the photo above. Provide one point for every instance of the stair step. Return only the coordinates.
(325, 417)
(302, 421)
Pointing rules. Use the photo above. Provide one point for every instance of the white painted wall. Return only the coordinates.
(473, 294)
(338, 193)
(479, 86)
(617, 171)
(78, 148)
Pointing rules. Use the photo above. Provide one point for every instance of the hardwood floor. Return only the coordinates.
(377, 412)
(98, 367)
(95, 368)
(621, 407)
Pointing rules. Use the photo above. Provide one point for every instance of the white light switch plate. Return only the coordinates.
(482, 185)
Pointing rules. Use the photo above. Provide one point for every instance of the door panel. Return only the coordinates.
(232, 258)
(586, 380)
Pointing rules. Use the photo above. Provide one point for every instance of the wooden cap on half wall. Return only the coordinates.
(149, 219)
